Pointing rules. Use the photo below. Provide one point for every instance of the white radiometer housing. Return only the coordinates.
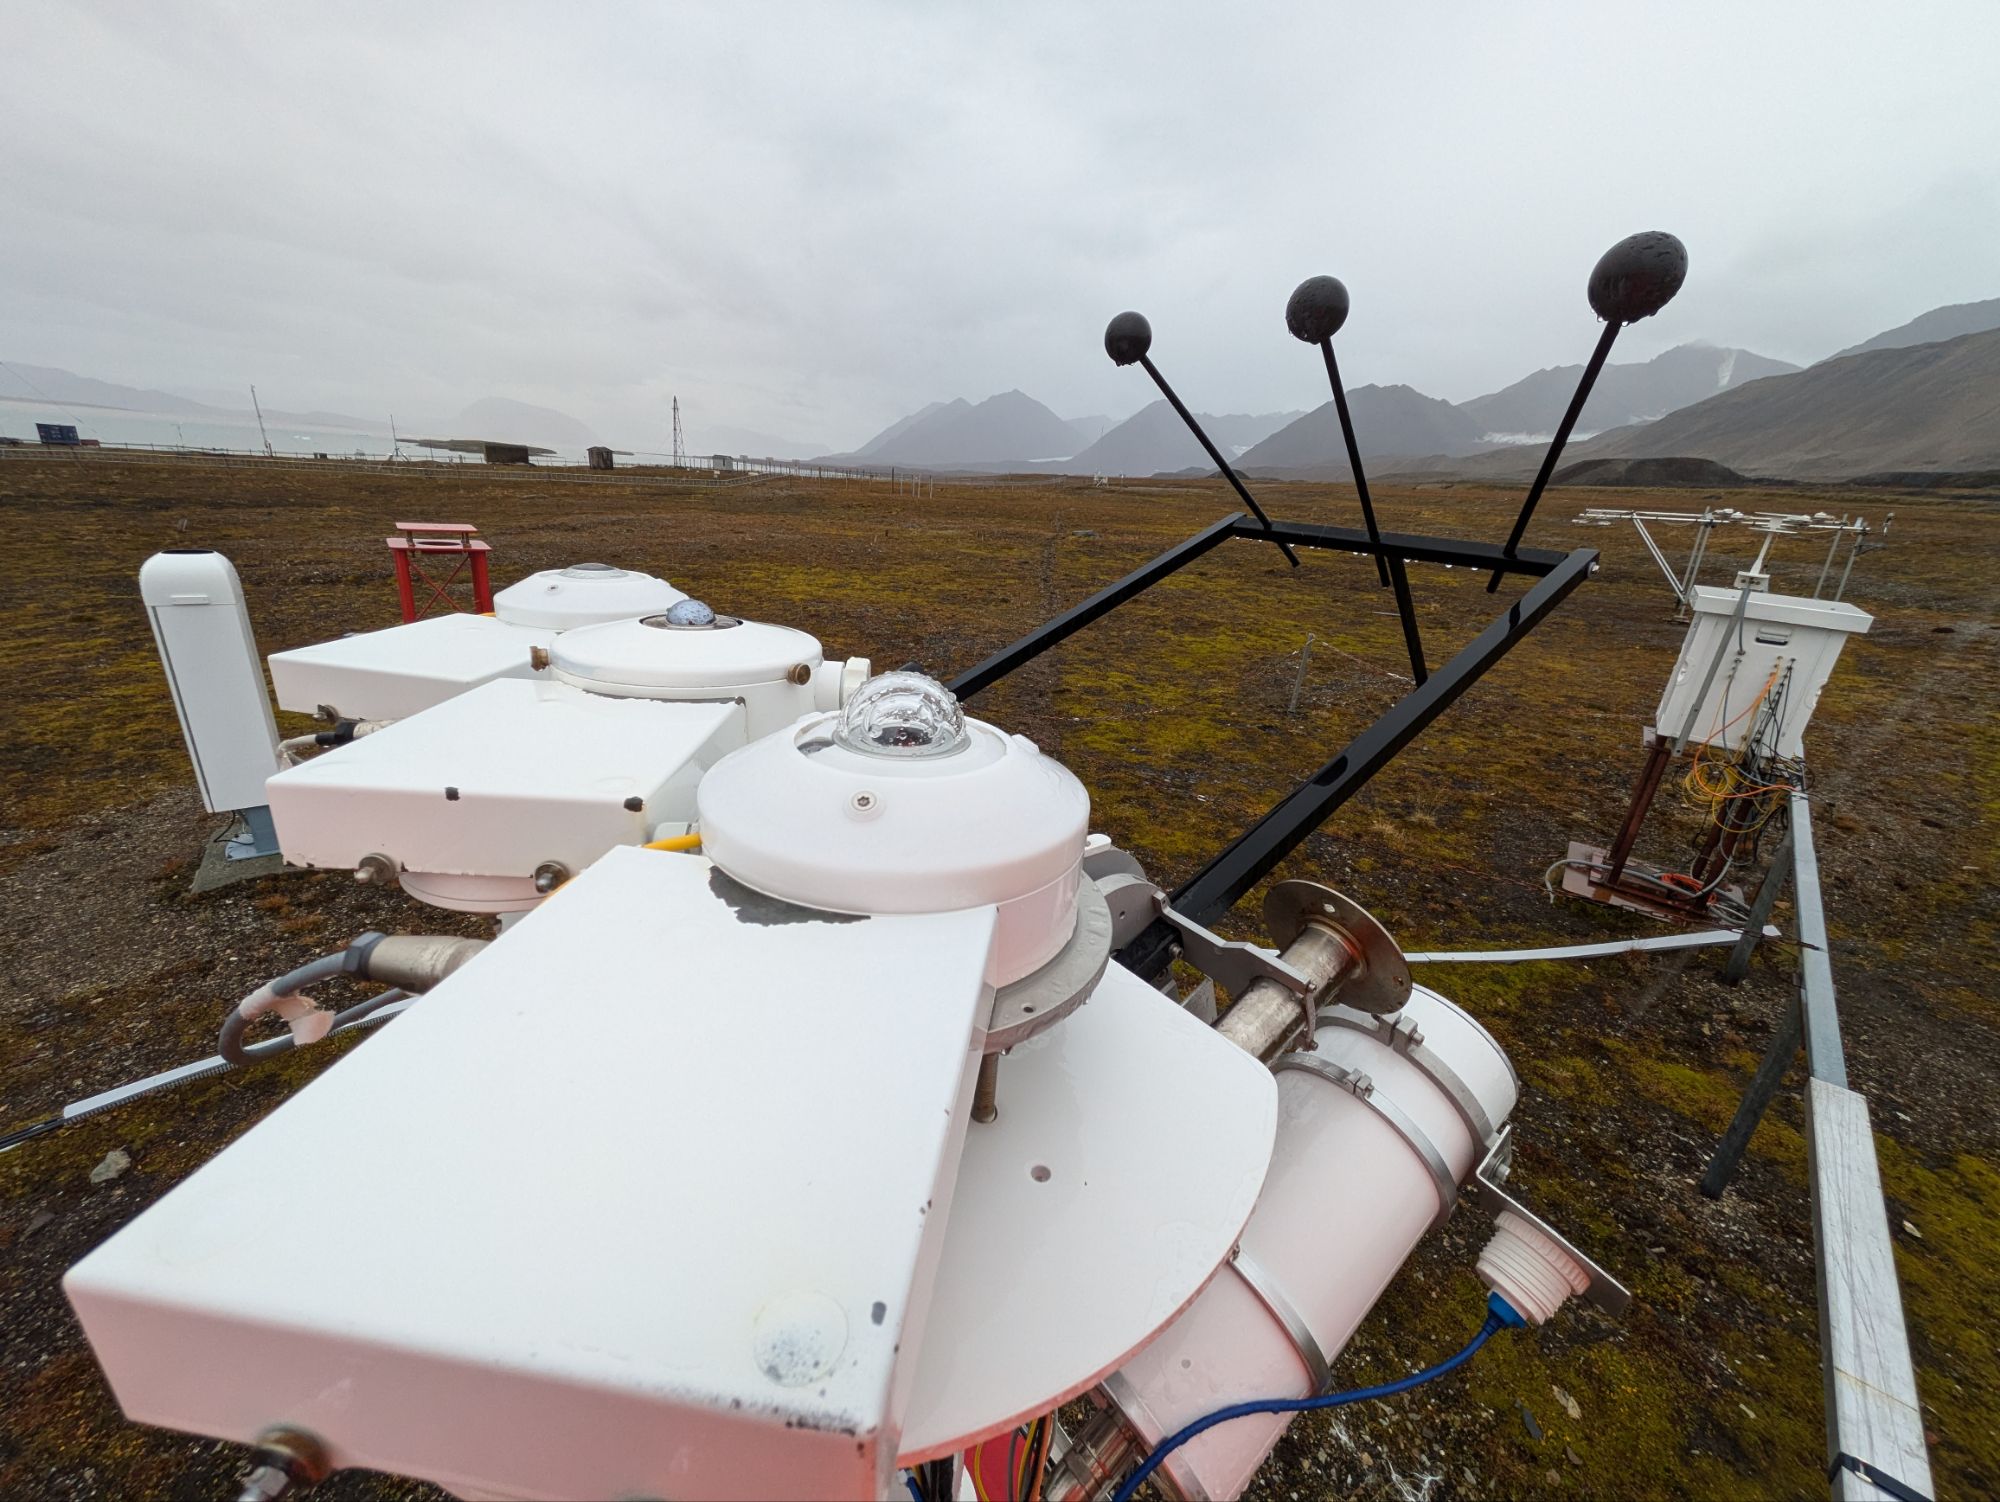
(195, 604)
(691, 652)
(401, 670)
(899, 804)
(584, 594)
(488, 801)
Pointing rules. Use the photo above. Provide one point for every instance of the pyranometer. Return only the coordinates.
(899, 804)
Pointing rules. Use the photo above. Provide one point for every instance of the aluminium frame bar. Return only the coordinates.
(1874, 1423)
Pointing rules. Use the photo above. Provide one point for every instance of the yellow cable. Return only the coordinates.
(674, 842)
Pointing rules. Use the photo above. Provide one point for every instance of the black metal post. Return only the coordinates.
(1216, 887)
(1354, 458)
(1073, 620)
(1407, 609)
(1213, 452)
(1534, 562)
(1411, 546)
(1750, 1110)
(1590, 373)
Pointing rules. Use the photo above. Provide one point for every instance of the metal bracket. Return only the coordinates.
(1605, 1291)
(1232, 963)
(1362, 1088)
(1134, 903)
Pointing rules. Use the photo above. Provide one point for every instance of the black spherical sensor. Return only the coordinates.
(1317, 309)
(1127, 338)
(1638, 276)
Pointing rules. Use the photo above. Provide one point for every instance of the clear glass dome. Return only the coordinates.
(902, 714)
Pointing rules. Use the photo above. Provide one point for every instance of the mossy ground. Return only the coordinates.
(1174, 712)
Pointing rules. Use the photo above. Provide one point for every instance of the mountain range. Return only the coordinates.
(1949, 322)
(1009, 428)
(1014, 431)
(1918, 407)
(1921, 397)
(1529, 410)
(1154, 441)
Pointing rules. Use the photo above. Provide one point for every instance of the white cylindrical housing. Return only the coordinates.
(584, 594)
(815, 820)
(770, 668)
(1347, 1199)
(195, 603)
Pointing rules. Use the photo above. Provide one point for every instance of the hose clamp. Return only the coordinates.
(1362, 1088)
(1140, 1418)
(1401, 1035)
(1271, 1294)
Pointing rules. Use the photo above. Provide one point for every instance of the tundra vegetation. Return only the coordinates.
(1174, 713)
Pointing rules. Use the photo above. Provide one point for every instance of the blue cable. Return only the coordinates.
(1500, 1315)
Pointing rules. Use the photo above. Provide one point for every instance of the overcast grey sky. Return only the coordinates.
(809, 219)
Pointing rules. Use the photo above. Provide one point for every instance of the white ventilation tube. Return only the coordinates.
(1377, 1127)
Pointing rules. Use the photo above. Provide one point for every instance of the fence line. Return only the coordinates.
(696, 470)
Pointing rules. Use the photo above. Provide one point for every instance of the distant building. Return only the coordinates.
(491, 450)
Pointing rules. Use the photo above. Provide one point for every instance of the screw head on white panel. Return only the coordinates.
(376, 870)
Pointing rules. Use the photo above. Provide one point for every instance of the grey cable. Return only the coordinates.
(230, 1043)
(370, 1013)
(1702, 940)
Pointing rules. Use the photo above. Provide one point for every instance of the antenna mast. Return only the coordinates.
(680, 445)
(260, 423)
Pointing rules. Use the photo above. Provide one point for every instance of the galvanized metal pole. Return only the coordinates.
(1299, 682)
(1827, 567)
(1760, 912)
(1750, 1110)
(1852, 553)
(1266, 1019)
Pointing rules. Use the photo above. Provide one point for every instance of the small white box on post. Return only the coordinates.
(195, 604)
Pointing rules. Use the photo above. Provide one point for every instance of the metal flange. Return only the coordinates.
(1025, 1007)
(1380, 980)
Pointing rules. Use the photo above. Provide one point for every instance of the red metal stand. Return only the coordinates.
(418, 542)
(1613, 877)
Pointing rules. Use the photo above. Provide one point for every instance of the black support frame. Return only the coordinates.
(1252, 855)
